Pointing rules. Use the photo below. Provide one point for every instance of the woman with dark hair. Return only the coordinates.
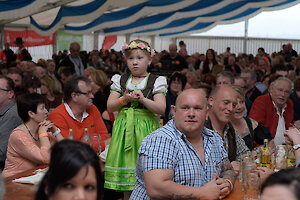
(176, 85)
(284, 184)
(209, 62)
(74, 173)
(29, 143)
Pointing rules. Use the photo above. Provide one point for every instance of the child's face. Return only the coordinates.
(138, 62)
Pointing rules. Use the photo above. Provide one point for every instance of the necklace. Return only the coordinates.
(139, 76)
(30, 132)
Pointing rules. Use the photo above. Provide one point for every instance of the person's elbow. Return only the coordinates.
(162, 109)
(155, 192)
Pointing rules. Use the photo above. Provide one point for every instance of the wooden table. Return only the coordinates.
(27, 191)
(21, 191)
(237, 193)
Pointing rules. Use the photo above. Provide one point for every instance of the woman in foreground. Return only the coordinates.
(74, 173)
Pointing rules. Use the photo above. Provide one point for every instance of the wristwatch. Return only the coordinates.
(296, 146)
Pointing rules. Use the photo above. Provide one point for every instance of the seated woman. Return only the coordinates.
(176, 85)
(74, 173)
(53, 93)
(249, 129)
(29, 143)
(100, 87)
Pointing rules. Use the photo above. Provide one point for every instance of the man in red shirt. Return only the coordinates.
(275, 110)
(78, 111)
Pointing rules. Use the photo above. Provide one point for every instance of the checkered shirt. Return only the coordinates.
(168, 148)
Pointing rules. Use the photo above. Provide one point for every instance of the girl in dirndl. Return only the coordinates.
(138, 97)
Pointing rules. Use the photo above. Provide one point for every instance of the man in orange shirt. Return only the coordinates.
(78, 111)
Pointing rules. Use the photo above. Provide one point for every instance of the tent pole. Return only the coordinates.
(54, 46)
(96, 40)
(245, 36)
(127, 38)
(2, 36)
(152, 41)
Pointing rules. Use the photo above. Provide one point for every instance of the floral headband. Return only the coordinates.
(134, 45)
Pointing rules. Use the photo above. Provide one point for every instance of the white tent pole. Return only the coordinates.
(127, 38)
(152, 37)
(246, 35)
(54, 46)
(96, 40)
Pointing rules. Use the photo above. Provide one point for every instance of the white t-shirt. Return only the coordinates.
(160, 84)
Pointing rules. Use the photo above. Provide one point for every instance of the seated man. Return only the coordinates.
(222, 102)
(78, 111)
(183, 159)
(275, 110)
(9, 118)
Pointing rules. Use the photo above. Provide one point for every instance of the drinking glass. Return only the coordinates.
(96, 142)
(251, 182)
(245, 158)
(280, 157)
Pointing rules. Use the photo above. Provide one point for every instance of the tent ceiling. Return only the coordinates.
(141, 17)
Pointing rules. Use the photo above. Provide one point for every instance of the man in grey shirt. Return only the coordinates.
(9, 118)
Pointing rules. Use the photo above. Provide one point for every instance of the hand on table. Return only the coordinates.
(224, 187)
(264, 172)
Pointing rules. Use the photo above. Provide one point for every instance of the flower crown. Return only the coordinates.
(134, 45)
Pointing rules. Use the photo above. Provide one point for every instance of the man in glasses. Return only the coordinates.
(9, 118)
(275, 110)
(78, 112)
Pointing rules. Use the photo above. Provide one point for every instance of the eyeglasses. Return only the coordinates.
(5, 90)
(286, 92)
(88, 93)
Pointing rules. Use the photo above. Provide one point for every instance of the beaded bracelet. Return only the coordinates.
(231, 185)
(43, 135)
(121, 101)
(56, 132)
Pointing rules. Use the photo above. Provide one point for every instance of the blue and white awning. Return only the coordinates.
(153, 17)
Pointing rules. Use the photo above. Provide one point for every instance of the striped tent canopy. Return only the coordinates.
(139, 17)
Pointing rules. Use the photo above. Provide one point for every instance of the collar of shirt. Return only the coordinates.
(225, 132)
(7, 107)
(84, 114)
(205, 131)
(277, 110)
(279, 136)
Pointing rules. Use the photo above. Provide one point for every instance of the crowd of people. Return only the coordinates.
(213, 108)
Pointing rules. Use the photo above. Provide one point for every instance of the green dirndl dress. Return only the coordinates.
(129, 129)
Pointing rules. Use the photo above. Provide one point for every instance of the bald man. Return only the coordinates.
(183, 159)
(173, 61)
(222, 102)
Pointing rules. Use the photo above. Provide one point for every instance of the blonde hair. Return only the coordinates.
(239, 91)
(49, 82)
(100, 78)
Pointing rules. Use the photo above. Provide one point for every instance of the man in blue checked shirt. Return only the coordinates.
(183, 159)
